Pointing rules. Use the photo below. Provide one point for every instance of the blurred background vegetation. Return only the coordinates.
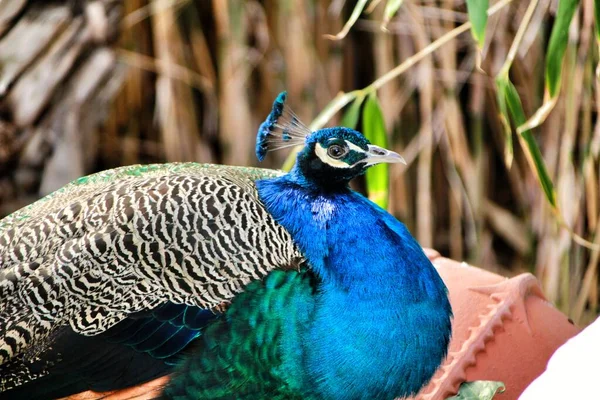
(191, 80)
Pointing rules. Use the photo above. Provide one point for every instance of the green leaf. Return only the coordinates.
(532, 150)
(597, 29)
(559, 39)
(478, 390)
(513, 101)
(391, 8)
(350, 118)
(558, 43)
(510, 103)
(478, 16)
(534, 156)
(377, 177)
(597, 19)
(501, 84)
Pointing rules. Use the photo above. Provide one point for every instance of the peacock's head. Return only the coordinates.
(329, 156)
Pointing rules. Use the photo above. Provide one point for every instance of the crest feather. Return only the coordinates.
(281, 129)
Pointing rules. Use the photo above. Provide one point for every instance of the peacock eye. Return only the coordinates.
(337, 151)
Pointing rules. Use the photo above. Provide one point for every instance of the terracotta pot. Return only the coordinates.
(147, 391)
(503, 330)
(571, 371)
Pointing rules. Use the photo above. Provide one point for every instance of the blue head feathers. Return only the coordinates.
(330, 155)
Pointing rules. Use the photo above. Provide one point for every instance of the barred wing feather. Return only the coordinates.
(128, 240)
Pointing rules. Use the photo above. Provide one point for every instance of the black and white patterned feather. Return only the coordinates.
(125, 241)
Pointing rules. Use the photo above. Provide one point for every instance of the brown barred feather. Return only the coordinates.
(125, 240)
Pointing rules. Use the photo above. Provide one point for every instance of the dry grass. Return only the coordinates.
(457, 194)
(203, 74)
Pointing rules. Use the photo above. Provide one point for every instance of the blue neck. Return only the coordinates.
(376, 288)
(349, 241)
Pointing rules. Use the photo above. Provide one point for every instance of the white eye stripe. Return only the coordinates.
(323, 156)
(354, 147)
(321, 152)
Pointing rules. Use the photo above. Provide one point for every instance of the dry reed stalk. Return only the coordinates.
(424, 199)
(140, 11)
(209, 75)
(294, 27)
(383, 57)
(175, 107)
(507, 226)
(475, 112)
(457, 150)
(234, 109)
(391, 102)
(131, 101)
(330, 54)
(588, 172)
(204, 63)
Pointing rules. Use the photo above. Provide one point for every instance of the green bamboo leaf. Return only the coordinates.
(597, 30)
(358, 8)
(558, 44)
(350, 118)
(510, 103)
(391, 8)
(513, 101)
(534, 156)
(559, 40)
(597, 19)
(529, 144)
(501, 83)
(377, 177)
(478, 390)
(478, 16)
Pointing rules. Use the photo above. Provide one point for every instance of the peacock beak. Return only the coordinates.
(378, 155)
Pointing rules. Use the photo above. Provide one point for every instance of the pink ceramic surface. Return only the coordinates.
(503, 330)
(147, 391)
(571, 372)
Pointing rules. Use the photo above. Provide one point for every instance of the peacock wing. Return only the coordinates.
(144, 346)
(127, 240)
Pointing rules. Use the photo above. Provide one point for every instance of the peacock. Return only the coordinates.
(242, 283)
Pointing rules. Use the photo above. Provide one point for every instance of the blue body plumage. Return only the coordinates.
(382, 319)
(382, 324)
